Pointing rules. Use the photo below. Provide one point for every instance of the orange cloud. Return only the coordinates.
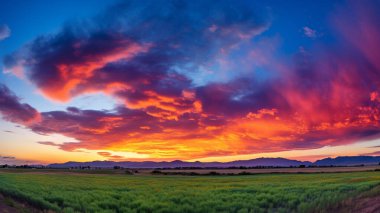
(72, 75)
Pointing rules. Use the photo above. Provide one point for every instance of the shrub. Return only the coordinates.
(244, 173)
(213, 173)
(129, 172)
(156, 172)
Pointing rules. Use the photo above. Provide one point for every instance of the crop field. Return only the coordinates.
(268, 170)
(77, 192)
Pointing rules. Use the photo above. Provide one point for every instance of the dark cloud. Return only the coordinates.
(14, 111)
(143, 46)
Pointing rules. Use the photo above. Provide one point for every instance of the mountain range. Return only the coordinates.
(265, 162)
(348, 161)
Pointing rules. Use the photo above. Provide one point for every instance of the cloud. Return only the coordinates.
(48, 143)
(14, 111)
(5, 32)
(145, 58)
(311, 158)
(130, 49)
(309, 32)
(7, 157)
(377, 153)
(110, 156)
(11, 160)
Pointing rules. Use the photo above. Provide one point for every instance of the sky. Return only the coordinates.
(190, 80)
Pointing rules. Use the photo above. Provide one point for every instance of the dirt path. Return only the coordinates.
(9, 205)
(6, 206)
(366, 205)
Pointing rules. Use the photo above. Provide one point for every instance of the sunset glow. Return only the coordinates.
(190, 80)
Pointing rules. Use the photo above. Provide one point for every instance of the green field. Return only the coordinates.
(149, 193)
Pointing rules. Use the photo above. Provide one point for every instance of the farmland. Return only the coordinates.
(79, 192)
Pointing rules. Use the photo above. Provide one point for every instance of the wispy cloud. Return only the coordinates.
(309, 32)
(5, 32)
(110, 156)
(11, 160)
(377, 153)
(48, 143)
(7, 157)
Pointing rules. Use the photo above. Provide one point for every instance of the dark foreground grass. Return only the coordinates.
(123, 193)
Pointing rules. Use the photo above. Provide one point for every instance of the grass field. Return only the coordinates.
(75, 192)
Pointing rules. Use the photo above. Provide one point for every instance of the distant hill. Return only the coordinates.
(348, 161)
(276, 162)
